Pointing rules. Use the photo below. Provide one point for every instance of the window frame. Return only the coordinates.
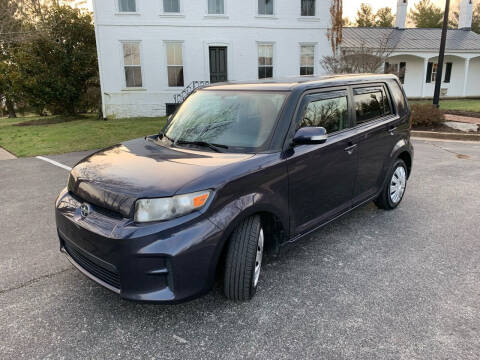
(169, 42)
(309, 16)
(314, 45)
(171, 13)
(272, 44)
(433, 77)
(257, 8)
(328, 95)
(386, 93)
(208, 14)
(140, 54)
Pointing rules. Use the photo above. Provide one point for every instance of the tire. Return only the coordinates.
(389, 198)
(244, 257)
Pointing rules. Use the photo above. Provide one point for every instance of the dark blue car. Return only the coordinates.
(239, 167)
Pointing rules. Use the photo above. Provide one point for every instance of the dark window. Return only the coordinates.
(429, 72)
(370, 103)
(332, 114)
(127, 6)
(170, 108)
(265, 7)
(402, 71)
(171, 6)
(448, 72)
(398, 98)
(308, 7)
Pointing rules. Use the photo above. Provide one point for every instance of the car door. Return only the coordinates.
(322, 176)
(375, 125)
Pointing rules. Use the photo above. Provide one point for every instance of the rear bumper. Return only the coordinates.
(172, 261)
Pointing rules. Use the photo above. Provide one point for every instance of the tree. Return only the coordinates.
(384, 17)
(362, 59)
(426, 15)
(57, 64)
(335, 33)
(476, 19)
(365, 16)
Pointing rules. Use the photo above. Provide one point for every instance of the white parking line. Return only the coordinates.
(53, 162)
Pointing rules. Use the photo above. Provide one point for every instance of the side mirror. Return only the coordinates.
(310, 136)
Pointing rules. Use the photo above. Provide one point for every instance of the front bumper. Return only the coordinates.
(169, 261)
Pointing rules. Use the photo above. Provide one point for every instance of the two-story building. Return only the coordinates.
(150, 50)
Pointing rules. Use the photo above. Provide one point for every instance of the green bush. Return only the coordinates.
(426, 115)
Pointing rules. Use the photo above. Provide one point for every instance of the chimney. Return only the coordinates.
(466, 14)
(401, 18)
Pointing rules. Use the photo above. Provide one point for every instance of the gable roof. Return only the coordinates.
(420, 40)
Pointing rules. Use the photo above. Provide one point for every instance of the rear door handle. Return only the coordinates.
(350, 149)
(392, 129)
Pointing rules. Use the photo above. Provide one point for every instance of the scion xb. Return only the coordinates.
(237, 168)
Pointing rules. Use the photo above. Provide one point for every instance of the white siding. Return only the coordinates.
(473, 84)
(240, 29)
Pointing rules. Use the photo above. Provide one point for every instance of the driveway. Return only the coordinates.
(403, 284)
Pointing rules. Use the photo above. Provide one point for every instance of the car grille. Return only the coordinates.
(107, 276)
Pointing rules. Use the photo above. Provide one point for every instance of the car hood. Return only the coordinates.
(114, 178)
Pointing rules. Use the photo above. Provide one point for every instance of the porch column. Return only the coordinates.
(465, 77)
(424, 79)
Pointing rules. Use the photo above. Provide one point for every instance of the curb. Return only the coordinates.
(445, 136)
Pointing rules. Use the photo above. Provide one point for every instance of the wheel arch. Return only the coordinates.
(275, 229)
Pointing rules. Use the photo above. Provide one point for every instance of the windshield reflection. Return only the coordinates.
(242, 119)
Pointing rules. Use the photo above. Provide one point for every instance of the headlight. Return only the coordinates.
(168, 208)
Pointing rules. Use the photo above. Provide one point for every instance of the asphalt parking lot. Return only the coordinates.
(386, 285)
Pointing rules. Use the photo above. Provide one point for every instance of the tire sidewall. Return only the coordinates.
(398, 163)
(253, 287)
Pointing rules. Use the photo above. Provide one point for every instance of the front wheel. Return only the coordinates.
(244, 260)
(394, 189)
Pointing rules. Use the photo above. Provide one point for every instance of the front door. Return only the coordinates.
(218, 63)
(322, 177)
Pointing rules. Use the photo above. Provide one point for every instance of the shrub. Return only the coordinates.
(426, 115)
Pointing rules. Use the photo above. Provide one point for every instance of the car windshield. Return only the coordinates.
(230, 119)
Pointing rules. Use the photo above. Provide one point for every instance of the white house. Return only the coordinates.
(150, 50)
(414, 54)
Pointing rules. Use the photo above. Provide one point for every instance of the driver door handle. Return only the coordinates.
(350, 149)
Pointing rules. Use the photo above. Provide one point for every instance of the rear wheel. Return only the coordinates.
(244, 260)
(394, 189)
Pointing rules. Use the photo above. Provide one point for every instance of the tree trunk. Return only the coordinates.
(10, 108)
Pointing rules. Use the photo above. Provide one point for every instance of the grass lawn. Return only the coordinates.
(57, 135)
(464, 105)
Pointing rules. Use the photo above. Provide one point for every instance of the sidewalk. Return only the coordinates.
(5, 155)
(463, 119)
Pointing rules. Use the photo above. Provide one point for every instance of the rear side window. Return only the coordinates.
(330, 113)
(398, 97)
(371, 103)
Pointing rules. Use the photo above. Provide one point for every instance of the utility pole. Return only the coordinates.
(441, 56)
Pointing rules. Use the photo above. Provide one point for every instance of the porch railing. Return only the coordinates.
(180, 97)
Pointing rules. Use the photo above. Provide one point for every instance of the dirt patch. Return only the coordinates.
(463, 113)
(442, 128)
(48, 121)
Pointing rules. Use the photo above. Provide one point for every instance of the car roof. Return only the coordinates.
(304, 82)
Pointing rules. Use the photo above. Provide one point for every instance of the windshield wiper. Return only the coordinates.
(163, 135)
(214, 147)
